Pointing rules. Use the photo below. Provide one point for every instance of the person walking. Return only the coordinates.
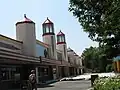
(32, 80)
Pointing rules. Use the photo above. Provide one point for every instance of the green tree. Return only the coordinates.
(95, 59)
(109, 68)
(101, 19)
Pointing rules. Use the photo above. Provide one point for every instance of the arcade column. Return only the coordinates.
(55, 72)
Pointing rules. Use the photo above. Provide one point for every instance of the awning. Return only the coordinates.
(7, 57)
(116, 58)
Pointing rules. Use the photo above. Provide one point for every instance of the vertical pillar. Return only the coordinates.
(68, 71)
(81, 71)
(117, 66)
(36, 69)
(74, 72)
(78, 71)
(57, 72)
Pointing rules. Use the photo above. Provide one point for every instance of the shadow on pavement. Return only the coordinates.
(45, 86)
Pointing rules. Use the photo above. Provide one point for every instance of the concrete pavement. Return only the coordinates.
(67, 85)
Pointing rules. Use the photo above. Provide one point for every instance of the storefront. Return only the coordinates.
(9, 72)
(14, 68)
(44, 73)
(9, 76)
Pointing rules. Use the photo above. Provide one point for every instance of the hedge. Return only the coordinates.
(107, 83)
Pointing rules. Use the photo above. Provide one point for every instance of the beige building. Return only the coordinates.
(51, 60)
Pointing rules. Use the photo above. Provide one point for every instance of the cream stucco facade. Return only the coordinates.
(50, 59)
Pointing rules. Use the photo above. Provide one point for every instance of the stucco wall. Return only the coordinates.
(9, 44)
(63, 48)
(25, 32)
(50, 39)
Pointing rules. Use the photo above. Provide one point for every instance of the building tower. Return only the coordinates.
(71, 55)
(61, 44)
(49, 37)
(25, 32)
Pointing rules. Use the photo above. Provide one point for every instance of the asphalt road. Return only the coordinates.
(68, 85)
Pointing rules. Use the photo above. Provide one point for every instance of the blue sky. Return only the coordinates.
(12, 11)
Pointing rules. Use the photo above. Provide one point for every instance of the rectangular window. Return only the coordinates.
(47, 29)
(10, 73)
(57, 38)
(43, 29)
(50, 27)
(62, 39)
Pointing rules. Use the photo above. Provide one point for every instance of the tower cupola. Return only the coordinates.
(61, 38)
(25, 32)
(48, 27)
(49, 37)
(61, 44)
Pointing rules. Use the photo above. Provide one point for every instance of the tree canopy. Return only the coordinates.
(95, 59)
(101, 19)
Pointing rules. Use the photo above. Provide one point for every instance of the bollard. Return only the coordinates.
(93, 77)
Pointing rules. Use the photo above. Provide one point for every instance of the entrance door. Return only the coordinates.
(25, 71)
(63, 71)
(50, 73)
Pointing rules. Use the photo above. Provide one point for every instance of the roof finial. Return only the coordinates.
(24, 15)
(47, 18)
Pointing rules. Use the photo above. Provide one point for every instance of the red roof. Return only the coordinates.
(26, 20)
(48, 21)
(60, 33)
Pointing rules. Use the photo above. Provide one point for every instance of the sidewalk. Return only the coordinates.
(47, 83)
(90, 89)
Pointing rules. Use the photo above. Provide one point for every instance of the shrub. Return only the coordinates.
(107, 83)
(109, 68)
